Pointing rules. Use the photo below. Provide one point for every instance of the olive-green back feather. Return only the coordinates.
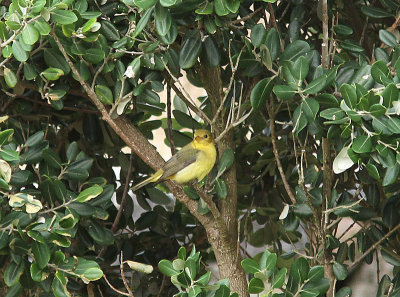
(186, 156)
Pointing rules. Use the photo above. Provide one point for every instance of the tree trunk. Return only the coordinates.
(226, 246)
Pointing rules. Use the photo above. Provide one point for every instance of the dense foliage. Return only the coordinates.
(301, 96)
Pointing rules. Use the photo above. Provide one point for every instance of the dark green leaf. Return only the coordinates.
(261, 93)
(340, 271)
(250, 266)
(256, 286)
(190, 52)
(284, 92)
(63, 17)
(41, 253)
(349, 95)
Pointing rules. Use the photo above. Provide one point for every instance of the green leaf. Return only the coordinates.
(380, 72)
(100, 234)
(256, 286)
(163, 20)
(377, 110)
(168, 3)
(13, 273)
(59, 288)
(300, 68)
(226, 161)
(273, 43)
(390, 94)
(211, 53)
(271, 262)
(94, 55)
(89, 193)
(54, 59)
(391, 175)
(387, 38)
(374, 12)
(104, 93)
(30, 34)
(109, 30)
(143, 21)
(332, 114)
(167, 268)
(10, 77)
(19, 53)
(344, 292)
(6, 136)
(145, 4)
(191, 268)
(339, 270)
(373, 171)
(261, 93)
(258, 35)
(279, 278)
(143, 268)
(220, 8)
(349, 95)
(316, 273)
(393, 124)
(295, 50)
(3, 31)
(190, 52)
(221, 188)
(63, 17)
(284, 92)
(316, 85)
(9, 155)
(250, 266)
(342, 30)
(362, 144)
(41, 253)
(35, 139)
(310, 106)
(52, 158)
(299, 120)
(52, 73)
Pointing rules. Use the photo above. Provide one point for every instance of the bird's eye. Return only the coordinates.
(206, 136)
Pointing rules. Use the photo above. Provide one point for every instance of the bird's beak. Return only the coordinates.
(198, 138)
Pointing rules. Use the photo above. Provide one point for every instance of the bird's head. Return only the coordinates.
(203, 137)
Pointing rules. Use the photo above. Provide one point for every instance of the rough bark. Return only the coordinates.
(226, 250)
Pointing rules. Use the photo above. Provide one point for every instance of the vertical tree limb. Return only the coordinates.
(325, 37)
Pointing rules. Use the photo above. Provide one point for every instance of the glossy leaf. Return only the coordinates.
(261, 93)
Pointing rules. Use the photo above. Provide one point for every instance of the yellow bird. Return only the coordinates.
(194, 161)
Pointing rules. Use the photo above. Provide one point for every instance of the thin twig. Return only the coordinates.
(375, 245)
(169, 121)
(271, 114)
(112, 287)
(247, 17)
(124, 195)
(188, 101)
(123, 276)
(234, 69)
(161, 286)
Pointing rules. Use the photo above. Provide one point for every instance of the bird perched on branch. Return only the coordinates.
(194, 161)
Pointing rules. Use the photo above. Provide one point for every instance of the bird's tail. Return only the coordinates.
(153, 178)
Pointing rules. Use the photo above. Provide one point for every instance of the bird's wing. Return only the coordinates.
(186, 156)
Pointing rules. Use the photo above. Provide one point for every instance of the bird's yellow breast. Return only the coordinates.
(205, 161)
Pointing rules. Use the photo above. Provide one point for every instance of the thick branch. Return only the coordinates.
(325, 37)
